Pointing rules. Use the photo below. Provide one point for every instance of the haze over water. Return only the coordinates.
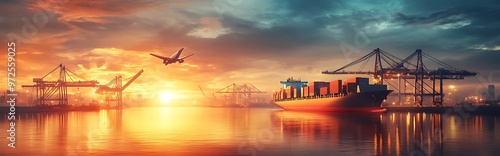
(250, 131)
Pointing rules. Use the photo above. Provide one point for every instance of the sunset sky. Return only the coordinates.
(238, 41)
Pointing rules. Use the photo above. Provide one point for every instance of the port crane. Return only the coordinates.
(238, 94)
(202, 92)
(407, 69)
(113, 90)
(48, 91)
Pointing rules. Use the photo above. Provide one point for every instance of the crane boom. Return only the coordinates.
(132, 79)
(202, 91)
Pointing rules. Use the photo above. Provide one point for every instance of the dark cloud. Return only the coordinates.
(310, 9)
(438, 18)
(478, 61)
(458, 30)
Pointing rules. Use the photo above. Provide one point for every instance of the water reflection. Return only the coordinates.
(385, 134)
(135, 131)
(413, 133)
(62, 133)
(229, 131)
(321, 133)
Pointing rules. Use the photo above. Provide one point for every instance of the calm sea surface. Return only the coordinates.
(240, 131)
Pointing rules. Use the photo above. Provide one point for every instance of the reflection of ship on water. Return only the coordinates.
(330, 133)
(366, 134)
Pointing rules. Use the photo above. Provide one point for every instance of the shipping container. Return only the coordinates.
(311, 89)
(335, 86)
(370, 88)
(314, 87)
(287, 93)
(358, 80)
(291, 91)
(306, 91)
(351, 88)
(324, 91)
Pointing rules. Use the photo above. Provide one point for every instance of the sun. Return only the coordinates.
(165, 96)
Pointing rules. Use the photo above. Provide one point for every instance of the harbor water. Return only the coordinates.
(250, 131)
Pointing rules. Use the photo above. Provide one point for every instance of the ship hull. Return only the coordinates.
(356, 102)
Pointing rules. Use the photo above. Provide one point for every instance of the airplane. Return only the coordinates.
(174, 58)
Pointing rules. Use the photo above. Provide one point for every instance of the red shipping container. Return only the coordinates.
(287, 93)
(314, 87)
(323, 91)
(311, 89)
(335, 86)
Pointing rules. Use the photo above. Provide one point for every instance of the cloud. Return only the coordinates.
(92, 11)
(211, 28)
(439, 18)
(257, 42)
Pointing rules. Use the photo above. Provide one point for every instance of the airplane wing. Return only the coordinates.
(161, 57)
(185, 57)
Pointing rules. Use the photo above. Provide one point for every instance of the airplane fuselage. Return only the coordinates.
(170, 61)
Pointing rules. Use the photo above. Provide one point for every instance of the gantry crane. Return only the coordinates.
(238, 94)
(113, 90)
(57, 90)
(405, 69)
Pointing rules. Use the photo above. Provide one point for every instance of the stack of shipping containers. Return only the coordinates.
(351, 85)
(314, 87)
(320, 88)
(290, 92)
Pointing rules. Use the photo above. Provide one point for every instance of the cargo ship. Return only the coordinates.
(353, 95)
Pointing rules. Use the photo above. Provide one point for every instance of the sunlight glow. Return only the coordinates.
(165, 96)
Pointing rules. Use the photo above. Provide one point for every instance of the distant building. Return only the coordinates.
(22, 98)
(491, 93)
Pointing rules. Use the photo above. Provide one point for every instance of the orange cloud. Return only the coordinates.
(91, 11)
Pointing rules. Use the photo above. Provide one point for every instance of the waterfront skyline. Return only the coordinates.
(259, 42)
